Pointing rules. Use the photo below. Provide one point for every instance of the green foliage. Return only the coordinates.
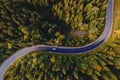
(29, 22)
(50, 16)
(102, 64)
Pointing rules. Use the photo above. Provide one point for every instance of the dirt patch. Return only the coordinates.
(78, 33)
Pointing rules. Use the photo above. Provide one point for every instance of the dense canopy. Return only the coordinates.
(30, 22)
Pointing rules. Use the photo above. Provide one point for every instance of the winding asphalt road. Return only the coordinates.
(66, 50)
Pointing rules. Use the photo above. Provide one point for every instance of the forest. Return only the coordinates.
(49, 22)
(100, 64)
(24, 25)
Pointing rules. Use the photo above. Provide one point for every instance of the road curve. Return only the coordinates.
(67, 50)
